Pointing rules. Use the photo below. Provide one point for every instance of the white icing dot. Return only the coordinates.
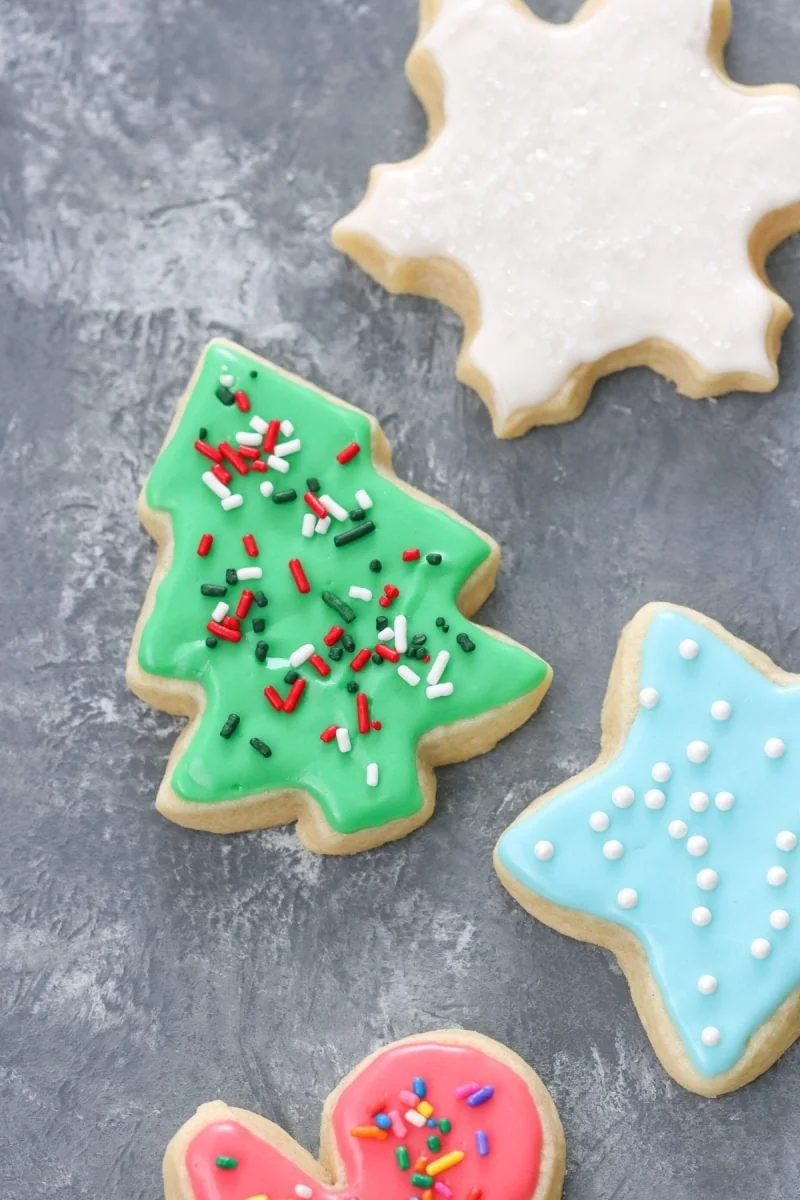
(701, 915)
(774, 748)
(720, 710)
(303, 1191)
(698, 752)
(707, 879)
(760, 948)
(724, 801)
(710, 1036)
(226, 379)
(786, 840)
(699, 802)
(661, 772)
(599, 822)
(779, 919)
(777, 876)
(677, 829)
(623, 797)
(697, 845)
(613, 849)
(627, 898)
(707, 985)
(544, 851)
(688, 649)
(655, 798)
(648, 697)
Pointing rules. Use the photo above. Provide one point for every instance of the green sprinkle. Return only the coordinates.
(224, 1161)
(343, 609)
(213, 589)
(434, 1142)
(258, 624)
(284, 497)
(445, 1125)
(254, 374)
(381, 623)
(312, 483)
(440, 622)
(348, 643)
(231, 576)
(377, 658)
(211, 641)
(357, 514)
(224, 395)
(465, 642)
(291, 677)
(403, 1158)
(261, 600)
(352, 686)
(262, 747)
(202, 433)
(434, 559)
(335, 653)
(230, 726)
(354, 534)
(262, 649)
(376, 565)
(419, 639)
(424, 1181)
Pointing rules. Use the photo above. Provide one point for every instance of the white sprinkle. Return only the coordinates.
(707, 985)
(612, 850)
(323, 524)
(266, 488)
(724, 801)
(359, 593)
(699, 801)
(437, 690)
(372, 774)
(232, 502)
(259, 424)
(701, 915)
(697, 846)
(710, 1036)
(599, 822)
(677, 829)
(343, 739)
(623, 797)
(688, 649)
(661, 772)
(655, 798)
(779, 919)
(226, 379)
(333, 508)
(414, 1118)
(439, 663)
(303, 1191)
(786, 840)
(544, 851)
(760, 948)
(386, 635)
(627, 898)
(363, 499)
(249, 573)
(721, 710)
(777, 876)
(707, 879)
(284, 449)
(220, 611)
(698, 752)
(410, 676)
(287, 428)
(301, 655)
(648, 697)
(309, 522)
(217, 488)
(774, 748)
(400, 634)
(248, 439)
(277, 464)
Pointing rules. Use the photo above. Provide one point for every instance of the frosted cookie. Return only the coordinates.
(306, 613)
(445, 1116)
(677, 849)
(593, 196)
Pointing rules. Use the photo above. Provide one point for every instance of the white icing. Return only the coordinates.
(648, 697)
(689, 649)
(774, 748)
(661, 772)
(707, 985)
(760, 948)
(699, 802)
(786, 840)
(623, 797)
(677, 829)
(544, 851)
(707, 879)
(779, 919)
(599, 822)
(701, 915)
(613, 849)
(697, 845)
(710, 1036)
(720, 710)
(777, 876)
(627, 898)
(724, 801)
(698, 752)
(654, 798)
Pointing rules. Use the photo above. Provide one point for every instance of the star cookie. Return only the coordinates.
(678, 848)
(593, 196)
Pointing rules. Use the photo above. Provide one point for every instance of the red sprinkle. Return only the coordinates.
(230, 622)
(411, 555)
(249, 543)
(229, 635)
(319, 665)
(271, 436)
(333, 635)
(295, 692)
(242, 401)
(227, 451)
(210, 451)
(391, 591)
(361, 659)
(344, 456)
(328, 735)
(384, 601)
(426, 658)
(299, 575)
(377, 725)
(245, 600)
(274, 698)
(362, 709)
(258, 465)
(205, 544)
(475, 1194)
(387, 652)
(249, 452)
(315, 505)
(221, 474)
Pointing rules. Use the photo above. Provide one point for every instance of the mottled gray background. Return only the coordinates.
(169, 169)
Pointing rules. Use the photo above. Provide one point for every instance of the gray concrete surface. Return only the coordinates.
(169, 170)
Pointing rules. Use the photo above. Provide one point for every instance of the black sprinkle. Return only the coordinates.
(348, 643)
(339, 606)
(465, 642)
(262, 747)
(202, 433)
(230, 726)
(258, 624)
(224, 395)
(376, 565)
(262, 649)
(312, 483)
(231, 576)
(381, 623)
(335, 654)
(211, 641)
(261, 600)
(291, 677)
(284, 497)
(376, 658)
(213, 589)
(357, 514)
(440, 622)
(419, 639)
(254, 374)
(352, 686)
(434, 559)
(354, 534)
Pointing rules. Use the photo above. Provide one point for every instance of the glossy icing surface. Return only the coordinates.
(707, 876)
(598, 182)
(370, 1170)
(173, 642)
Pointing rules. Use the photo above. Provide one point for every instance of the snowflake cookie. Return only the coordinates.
(306, 613)
(448, 1115)
(677, 849)
(593, 196)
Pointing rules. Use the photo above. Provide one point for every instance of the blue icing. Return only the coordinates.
(741, 841)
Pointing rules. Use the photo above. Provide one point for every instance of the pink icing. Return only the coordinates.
(370, 1172)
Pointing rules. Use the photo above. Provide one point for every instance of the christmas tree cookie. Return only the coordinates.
(678, 849)
(446, 1116)
(309, 613)
(593, 196)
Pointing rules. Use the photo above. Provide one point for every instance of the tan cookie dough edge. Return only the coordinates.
(456, 742)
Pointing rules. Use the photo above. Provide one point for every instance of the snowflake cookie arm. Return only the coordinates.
(676, 850)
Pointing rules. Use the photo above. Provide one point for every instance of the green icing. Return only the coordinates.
(214, 768)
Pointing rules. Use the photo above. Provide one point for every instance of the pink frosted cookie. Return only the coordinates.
(593, 196)
(444, 1116)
